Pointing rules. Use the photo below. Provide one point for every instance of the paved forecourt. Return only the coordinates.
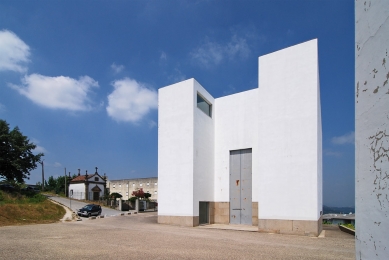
(139, 236)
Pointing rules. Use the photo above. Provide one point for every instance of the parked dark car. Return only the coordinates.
(7, 187)
(31, 189)
(90, 210)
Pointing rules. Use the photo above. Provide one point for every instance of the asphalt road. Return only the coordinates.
(75, 205)
(139, 236)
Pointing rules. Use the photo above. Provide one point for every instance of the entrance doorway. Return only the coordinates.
(203, 212)
(241, 187)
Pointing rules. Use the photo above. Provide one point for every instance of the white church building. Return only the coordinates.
(251, 158)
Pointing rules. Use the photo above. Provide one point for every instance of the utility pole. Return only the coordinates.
(65, 182)
(43, 175)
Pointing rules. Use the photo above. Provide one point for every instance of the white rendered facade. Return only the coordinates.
(126, 187)
(87, 187)
(280, 124)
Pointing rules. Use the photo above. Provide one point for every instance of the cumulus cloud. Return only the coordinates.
(14, 53)
(130, 100)
(212, 53)
(348, 138)
(117, 68)
(57, 92)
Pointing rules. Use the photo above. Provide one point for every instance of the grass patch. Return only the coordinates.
(28, 208)
(350, 226)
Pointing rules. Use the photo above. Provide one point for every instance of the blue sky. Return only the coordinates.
(80, 78)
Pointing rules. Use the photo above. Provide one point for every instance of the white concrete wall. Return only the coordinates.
(203, 145)
(236, 128)
(78, 191)
(175, 149)
(288, 126)
(126, 187)
(91, 186)
(372, 129)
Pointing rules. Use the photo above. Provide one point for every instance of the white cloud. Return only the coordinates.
(208, 54)
(57, 92)
(237, 47)
(163, 56)
(213, 53)
(117, 68)
(38, 148)
(57, 165)
(2, 108)
(348, 138)
(177, 76)
(14, 53)
(130, 100)
(152, 124)
(332, 153)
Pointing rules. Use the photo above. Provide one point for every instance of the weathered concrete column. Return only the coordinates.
(371, 129)
(120, 204)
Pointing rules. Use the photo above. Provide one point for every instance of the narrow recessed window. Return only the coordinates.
(148, 183)
(114, 186)
(204, 105)
(96, 178)
(156, 183)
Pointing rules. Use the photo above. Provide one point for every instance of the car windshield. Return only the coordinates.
(87, 207)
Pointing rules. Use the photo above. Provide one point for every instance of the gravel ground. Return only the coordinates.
(139, 236)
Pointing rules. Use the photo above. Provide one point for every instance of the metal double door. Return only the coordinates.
(241, 187)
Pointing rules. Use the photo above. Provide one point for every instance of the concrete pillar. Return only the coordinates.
(371, 129)
(120, 204)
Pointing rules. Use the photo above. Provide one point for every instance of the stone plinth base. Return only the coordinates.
(187, 221)
(293, 227)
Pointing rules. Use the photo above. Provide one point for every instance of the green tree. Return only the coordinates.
(60, 185)
(51, 184)
(16, 154)
(115, 195)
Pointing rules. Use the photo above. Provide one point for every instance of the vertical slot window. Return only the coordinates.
(204, 105)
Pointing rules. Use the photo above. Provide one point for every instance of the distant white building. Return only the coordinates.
(126, 187)
(252, 158)
(87, 187)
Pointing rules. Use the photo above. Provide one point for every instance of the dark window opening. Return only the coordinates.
(204, 105)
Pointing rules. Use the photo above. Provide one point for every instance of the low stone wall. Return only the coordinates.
(187, 221)
(294, 227)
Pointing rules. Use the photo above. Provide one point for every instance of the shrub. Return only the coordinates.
(132, 199)
(350, 226)
(37, 198)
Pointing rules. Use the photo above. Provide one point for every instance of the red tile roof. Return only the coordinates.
(82, 177)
